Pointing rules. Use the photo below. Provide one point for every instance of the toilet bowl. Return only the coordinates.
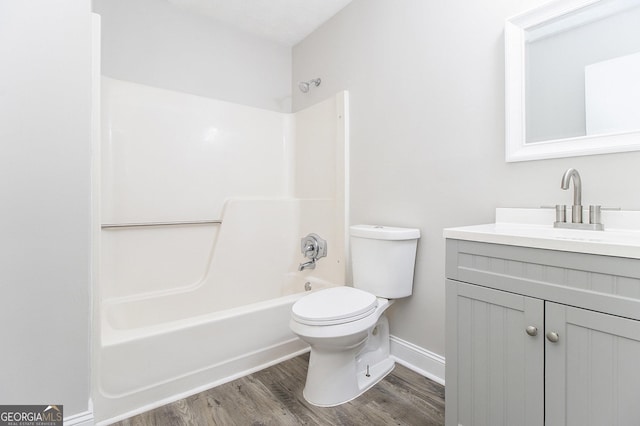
(345, 361)
(346, 327)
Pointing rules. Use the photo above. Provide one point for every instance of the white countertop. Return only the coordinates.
(534, 228)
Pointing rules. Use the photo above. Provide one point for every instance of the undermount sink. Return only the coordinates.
(534, 228)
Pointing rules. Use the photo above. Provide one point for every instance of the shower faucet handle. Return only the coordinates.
(313, 247)
(310, 250)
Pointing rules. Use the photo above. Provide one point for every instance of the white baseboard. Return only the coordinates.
(81, 419)
(420, 360)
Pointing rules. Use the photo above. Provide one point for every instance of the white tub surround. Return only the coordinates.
(232, 271)
(203, 204)
(172, 157)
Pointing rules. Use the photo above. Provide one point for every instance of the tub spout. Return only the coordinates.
(313, 247)
(307, 265)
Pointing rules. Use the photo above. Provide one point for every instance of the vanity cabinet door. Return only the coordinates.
(495, 362)
(592, 372)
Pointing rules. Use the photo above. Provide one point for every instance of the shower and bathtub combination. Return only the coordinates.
(203, 205)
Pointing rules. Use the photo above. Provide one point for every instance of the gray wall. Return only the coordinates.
(159, 44)
(45, 132)
(426, 83)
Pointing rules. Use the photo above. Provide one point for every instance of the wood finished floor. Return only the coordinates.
(274, 397)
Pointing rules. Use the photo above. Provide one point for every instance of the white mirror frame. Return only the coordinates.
(515, 132)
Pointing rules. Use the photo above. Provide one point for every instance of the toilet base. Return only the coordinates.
(338, 376)
(337, 395)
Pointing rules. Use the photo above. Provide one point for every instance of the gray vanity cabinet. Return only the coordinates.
(498, 372)
(541, 337)
(592, 372)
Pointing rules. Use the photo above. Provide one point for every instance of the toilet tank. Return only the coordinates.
(383, 259)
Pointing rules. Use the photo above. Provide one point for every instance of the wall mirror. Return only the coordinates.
(573, 79)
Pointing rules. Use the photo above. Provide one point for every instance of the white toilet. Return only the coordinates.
(346, 326)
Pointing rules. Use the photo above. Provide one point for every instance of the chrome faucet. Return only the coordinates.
(576, 210)
(307, 265)
(313, 247)
(594, 223)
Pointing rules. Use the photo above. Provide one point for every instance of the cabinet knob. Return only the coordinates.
(553, 337)
(532, 331)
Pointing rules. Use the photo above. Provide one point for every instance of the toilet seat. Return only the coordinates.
(337, 305)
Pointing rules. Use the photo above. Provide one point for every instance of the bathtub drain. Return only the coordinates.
(307, 286)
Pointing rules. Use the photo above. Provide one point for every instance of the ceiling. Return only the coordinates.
(282, 21)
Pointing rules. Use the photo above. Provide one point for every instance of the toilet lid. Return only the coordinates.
(336, 305)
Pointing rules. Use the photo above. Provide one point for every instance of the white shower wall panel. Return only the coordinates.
(315, 155)
(141, 260)
(163, 150)
(269, 177)
(321, 169)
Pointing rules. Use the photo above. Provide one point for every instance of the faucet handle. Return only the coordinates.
(313, 247)
(561, 213)
(595, 214)
(310, 249)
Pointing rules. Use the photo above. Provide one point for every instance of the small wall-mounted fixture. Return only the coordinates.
(304, 85)
(313, 247)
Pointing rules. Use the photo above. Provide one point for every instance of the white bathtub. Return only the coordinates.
(145, 365)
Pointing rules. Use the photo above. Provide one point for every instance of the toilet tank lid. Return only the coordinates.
(378, 232)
